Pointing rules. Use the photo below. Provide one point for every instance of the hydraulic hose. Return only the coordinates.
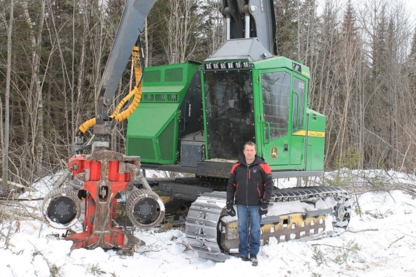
(136, 92)
(122, 103)
(87, 124)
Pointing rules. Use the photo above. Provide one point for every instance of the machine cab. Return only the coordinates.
(264, 102)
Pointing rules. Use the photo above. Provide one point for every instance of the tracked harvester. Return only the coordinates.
(195, 118)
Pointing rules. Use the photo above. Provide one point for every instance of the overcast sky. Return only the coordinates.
(411, 4)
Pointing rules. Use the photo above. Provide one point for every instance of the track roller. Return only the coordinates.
(144, 208)
(61, 208)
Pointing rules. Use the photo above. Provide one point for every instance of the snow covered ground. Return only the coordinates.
(380, 242)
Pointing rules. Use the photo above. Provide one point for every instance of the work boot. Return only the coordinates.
(253, 259)
(245, 259)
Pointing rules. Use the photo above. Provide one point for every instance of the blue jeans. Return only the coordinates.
(249, 222)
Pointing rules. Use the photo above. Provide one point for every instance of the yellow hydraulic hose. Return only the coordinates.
(122, 103)
(135, 56)
(87, 124)
(136, 92)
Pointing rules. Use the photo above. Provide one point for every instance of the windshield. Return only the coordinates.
(229, 112)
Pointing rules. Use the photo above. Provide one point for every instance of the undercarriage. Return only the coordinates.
(313, 212)
(119, 200)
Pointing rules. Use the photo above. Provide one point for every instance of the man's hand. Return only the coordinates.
(230, 209)
(264, 206)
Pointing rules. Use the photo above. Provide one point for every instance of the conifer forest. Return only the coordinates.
(362, 57)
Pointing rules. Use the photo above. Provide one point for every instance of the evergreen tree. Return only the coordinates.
(349, 28)
(348, 103)
(379, 45)
(212, 29)
(175, 27)
(286, 12)
(307, 33)
(326, 36)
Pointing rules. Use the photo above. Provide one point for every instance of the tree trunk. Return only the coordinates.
(5, 132)
(81, 74)
(37, 143)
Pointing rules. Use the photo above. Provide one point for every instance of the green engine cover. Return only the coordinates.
(154, 127)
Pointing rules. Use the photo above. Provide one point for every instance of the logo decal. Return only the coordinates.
(273, 153)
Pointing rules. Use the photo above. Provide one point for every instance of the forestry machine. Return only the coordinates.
(194, 119)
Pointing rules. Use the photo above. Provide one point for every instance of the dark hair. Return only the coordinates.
(249, 143)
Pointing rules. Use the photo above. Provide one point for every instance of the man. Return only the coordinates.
(251, 186)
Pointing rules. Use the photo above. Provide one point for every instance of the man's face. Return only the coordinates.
(250, 152)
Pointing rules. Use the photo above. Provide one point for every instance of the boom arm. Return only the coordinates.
(131, 24)
(251, 18)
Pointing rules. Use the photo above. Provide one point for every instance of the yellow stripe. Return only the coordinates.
(313, 134)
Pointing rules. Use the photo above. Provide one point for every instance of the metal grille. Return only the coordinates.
(149, 97)
(152, 76)
(165, 142)
(172, 97)
(174, 75)
(141, 147)
(160, 97)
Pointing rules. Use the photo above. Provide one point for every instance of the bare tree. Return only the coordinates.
(6, 127)
(181, 23)
(212, 32)
(35, 97)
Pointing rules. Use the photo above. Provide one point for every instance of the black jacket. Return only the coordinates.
(249, 184)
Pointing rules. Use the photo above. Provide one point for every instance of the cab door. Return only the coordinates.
(297, 116)
(275, 116)
(282, 113)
